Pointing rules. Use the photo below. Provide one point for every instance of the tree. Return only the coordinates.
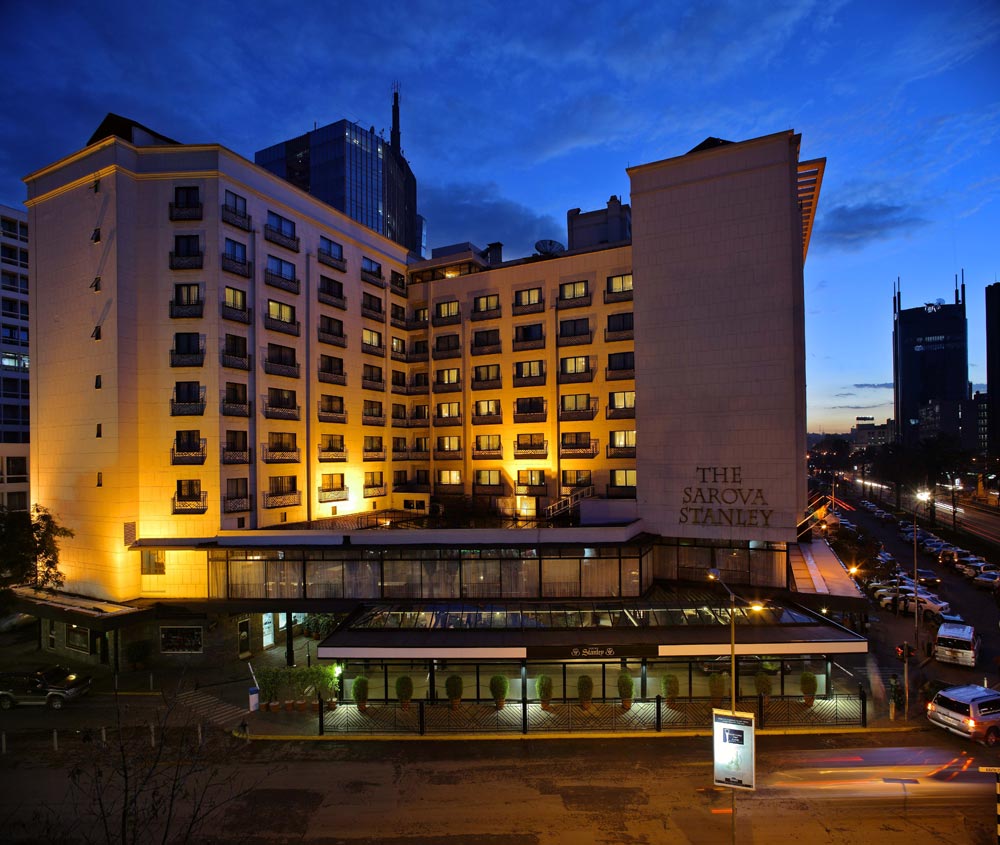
(47, 533)
(29, 549)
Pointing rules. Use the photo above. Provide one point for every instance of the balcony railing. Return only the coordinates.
(236, 504)
(399, 422)
(279, 456)
(615, 491)
(239, 315)
(374, 313)
(578, 451)
(331, 338)
(531, 490)
(620, 334)
(190, 504)
(446, 488)
(418, 422)
(236, 362)
(232, 408)
(282, 500)
(444, 422)
(531, 450)
(447, 319)
(488, 314)
(186, 309)
(276, 368)
(398, 321)
(487, 348)
(328, 377)
(373, 349)
(281, 412)
(186, 212)
(373, 455)
(528, 308)
(331, 299)
(487, 454)
(576, 378)
(619, 413)
(529, 381)
(487, 384)
(188, 455)
(339, 495)
(618, 295)
(331, 416)
(413, 324)
(276, 236)
(187, 359)
(574, 302)
(235, 456)
(528, 343)
(447, 454)
(620, 451)
(188, 408)
(238, 266)
(575, 339)
(276, 280)
(332, 455)
(417, 357)
(587, 413)
(376, 279)
(372, 419)
(397, 281)
(239, 219)
(447, 386)
(618, 374)
(531, 414)
(420, 455)
(373, 383)
(448, 352)
(412, 487)
(374, 490)
(186, 262)
(331, 260)
(488, 489)
(487, 419)
(400, 454)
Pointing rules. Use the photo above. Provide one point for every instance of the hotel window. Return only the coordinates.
(19, 310)
(280, 398)
(236, 251)
(449, 376)
(449, 476)
(281, 441)
(281, 485)
(623, 439)
(373, 479)
(187, 392)
(531, 441)
(486, 337)
(236, 299)
(188, 440)
(331, 325)
(278, 354)
(154, 562)
(399, 444)
(421, 379)
(446, 309)
(488, 442)
(331, 287)
(186, 197)
(370, 266)
(620, 322)
(188, 490)
(487, 372)
(449, 444)
(237, 488)
(373, 443)
(621, 361)
(530, 405)
(280, 267)
(576, 478)
(370, 302)
(419, 412)
(620, 284)
(623, 478)
(422, 476)
(398, 378)
(481, 304)
(281, 225)
(331, 248)
(398, 411)
(18, 336)
(183, 295)
(449, 409)
(575, 402)
(397, 312)
(622, 399)
(236, 393)
(187, 246)
(420, 315)
(331, 365)
(370, 372)
(421, 444)
(330, 404)
(574, 328)
(331, 443)
(398, 345)
(531, 477)
(371, 408)
(572, 290)
(530, 296)
(446, 342)
(236, 441)
(487, 407)
(371, 338)
(398, 477)
(529, 369)
(280, 311)
(236, 204)
(532, 331)
(488, 477)
(576, 439)
(575, 364)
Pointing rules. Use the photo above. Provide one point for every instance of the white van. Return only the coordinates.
(956, 644)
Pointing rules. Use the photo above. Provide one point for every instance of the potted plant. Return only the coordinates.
(359, 690)
(268, 683)
(585, 690)
(807, 683)
(288, 691)
(543, 685)
(404, 691)
(626, 688)
(717, 687)
(329, 676)
(453, 687)
(669, 687)
(762, 684)
(137, 653)
(498, 689)
(302, 683)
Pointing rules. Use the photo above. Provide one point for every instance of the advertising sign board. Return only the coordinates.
(733, 750)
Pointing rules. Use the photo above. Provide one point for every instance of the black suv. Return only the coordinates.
(52, 686)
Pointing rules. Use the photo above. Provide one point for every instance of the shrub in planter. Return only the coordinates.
(626, 689)
(762, 684)
(453, 688)
(327, 675)
(404, 691)
(669, 687)
(808, 685)
(498, 689)
(543, 685)
(268, 684)
(137, 653)
(717, 687)
(359, 690)
(585, 690)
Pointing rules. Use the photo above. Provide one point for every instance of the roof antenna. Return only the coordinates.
(394, 137)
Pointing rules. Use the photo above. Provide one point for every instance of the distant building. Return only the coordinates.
(357, 172)
(866, 434)
(611, 225)
(930, 360)
(14, 415)
(993, 367)
(982, 405)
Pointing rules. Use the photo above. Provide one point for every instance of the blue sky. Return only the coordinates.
(514, 113)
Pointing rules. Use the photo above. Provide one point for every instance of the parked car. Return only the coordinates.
(973, 570)
(986, 580)
(52, 686)
(927, 604)
(970, 711)
(928, 578)
(948, 555)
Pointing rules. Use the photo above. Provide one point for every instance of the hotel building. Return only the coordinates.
(14, 418)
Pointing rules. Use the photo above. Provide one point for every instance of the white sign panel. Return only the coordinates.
(733, 750)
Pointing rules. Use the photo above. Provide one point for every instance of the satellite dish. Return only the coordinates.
(547, 247)
(939, 301)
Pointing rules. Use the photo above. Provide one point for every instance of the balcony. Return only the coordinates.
(529, 381)
(489, 314)
(487, 454)
(235, 456)
(188, 454)
(372, 419)
(372, 312)
(187, 408)
(614, 491)
(331, 416)
(412, 487)
(282, 500)
(528, 343)
(276, 236)
(619, 374)
(487, 348)
(579, 451)
(373, 455)
(186, 262)
(420, 454)
(281, 412)
(190, 504)
(397, 281)
(488, 489)
(327, 456)
(233, 408)
(330, 260)
(574, 302)
(397, 321)
(237, 315)
(531, 490)
(186, 212)
(611, 413)
(376, 279)
(413, 324)
(339, 495)
(239, 219)
(236, 504)
(186, 309)
(444, 422)
(373, 349)
(487, 419)
(399, 422)
(370, 492)
(276, 280)
(332, 378)
(419, 422)
(575, 339)
(283, 326)
(331, 338)
(486, 384)
(576, 378)
(531, 413)
(373, 383)
(418, 357)
(622, 334)
(332, 299)
(446, 319)
(235, 361)
(279, 456)
(588, 413)
(531, 450)
(447, 454)
(528, 308)
(447, 386)
(446, 489)
(449, 352)
(237, 266)
(187, 359)
(620, 451)
(276, 368)
(400, 454)
(618, 295)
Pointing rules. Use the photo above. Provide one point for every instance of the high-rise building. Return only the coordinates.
(993, 369)
(240, 390)
(14, 407)
(356, 171)
(930, 360)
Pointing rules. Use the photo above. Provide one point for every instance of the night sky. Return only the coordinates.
(514, 113)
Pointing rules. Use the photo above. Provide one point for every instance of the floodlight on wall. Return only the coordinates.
(96, 333)
(96, 284)
(96, 235)
(97, 185)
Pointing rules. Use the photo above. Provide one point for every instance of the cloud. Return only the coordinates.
(856, 407)
(852, 227)
(843, 395)
(886, 385)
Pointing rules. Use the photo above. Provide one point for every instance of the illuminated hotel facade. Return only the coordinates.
(247, 405)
